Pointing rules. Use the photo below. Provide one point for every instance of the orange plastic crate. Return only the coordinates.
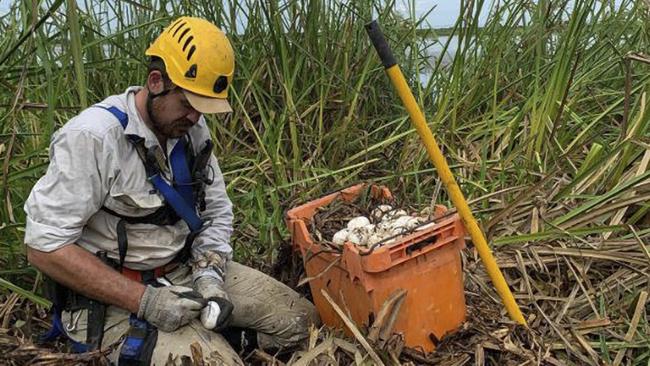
(425, 263)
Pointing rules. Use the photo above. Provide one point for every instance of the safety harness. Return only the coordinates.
(181, 202)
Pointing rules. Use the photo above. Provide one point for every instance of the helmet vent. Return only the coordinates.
(180, 39)
(191, 72)
(221, 84)
(187, 42)
(171, 27)
(189, 54)
(179, 28)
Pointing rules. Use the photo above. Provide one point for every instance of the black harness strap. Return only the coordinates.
(162, 217)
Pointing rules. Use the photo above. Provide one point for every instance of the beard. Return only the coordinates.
(168, 129)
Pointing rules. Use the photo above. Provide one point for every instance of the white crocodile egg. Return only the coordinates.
(384, 225)
(370, 228)
(402, 222)
(358, 222)
(380, 210)
(398, 230)
(340, 237)
(356, 237)
(412, 222)
(393, 214)
(375, 238)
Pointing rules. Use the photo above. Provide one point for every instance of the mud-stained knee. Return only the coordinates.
(301, 321)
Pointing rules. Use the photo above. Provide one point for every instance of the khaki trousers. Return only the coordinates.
(280, 316)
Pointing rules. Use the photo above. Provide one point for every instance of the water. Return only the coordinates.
(434, 53)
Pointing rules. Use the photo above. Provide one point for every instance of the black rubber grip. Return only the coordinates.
(382, 47)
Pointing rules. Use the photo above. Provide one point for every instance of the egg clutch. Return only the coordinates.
(384, 226)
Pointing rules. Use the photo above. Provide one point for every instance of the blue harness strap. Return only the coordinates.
(181, 198)
(182, 176)
(121, 116)
(178, 203)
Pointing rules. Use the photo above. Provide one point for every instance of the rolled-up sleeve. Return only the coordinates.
(69, 193)
(218, 213)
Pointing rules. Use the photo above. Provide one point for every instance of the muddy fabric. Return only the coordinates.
(280, 316)
(93, 165)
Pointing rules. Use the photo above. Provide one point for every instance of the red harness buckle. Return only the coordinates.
(140, 276)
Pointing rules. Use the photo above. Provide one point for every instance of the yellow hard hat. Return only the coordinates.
(199, 59)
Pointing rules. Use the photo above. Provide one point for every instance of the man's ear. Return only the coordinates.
(155, 82)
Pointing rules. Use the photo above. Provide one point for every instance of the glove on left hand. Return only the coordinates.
(214, 315)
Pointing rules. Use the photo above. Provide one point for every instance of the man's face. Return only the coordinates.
(172, 115)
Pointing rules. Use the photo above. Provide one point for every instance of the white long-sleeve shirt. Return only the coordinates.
(92, 165)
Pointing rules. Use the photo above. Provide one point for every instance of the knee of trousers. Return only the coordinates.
(292, 328)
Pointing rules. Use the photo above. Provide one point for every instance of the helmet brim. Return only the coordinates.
(207, 105)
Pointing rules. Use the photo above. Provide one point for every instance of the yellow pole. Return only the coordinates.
(439, 161)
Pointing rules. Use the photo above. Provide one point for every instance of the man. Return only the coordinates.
(133, 213)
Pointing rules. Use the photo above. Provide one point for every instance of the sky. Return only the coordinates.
(4, 6)
(444, 14)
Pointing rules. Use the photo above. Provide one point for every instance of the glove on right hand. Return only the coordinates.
(169, 308)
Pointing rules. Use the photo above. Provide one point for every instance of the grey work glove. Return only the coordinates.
(169, 308)
(218, 309)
